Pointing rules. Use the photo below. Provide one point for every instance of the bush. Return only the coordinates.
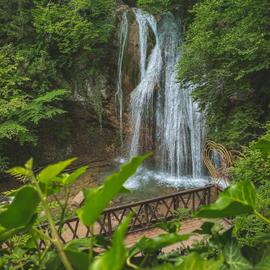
(20, 228)
(254, 165)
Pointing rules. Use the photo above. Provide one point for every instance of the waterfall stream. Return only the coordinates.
(164, 117)
(119, 90)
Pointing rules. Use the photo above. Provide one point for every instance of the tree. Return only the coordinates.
(226, 56)
(47, 49)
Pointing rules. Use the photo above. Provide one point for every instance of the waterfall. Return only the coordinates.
(119, 90)
(141, 100)
(164, 117)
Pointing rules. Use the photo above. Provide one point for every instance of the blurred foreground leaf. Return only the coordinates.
(236, 200)
(99, 198)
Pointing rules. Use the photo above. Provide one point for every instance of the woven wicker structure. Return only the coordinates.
(218, 172)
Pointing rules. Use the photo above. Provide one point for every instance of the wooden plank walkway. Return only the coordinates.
(188, 226)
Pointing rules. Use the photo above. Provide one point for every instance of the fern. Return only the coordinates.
(51, 96)
(14, 131)
(41, 109)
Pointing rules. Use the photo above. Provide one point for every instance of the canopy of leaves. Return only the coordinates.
(180, 7)
(226, 56)
(156, 6)
(20, 228)
(254, 164)
(44, 45)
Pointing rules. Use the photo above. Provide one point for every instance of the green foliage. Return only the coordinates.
(76, 27)
(98, 199)
(20, 223)
(254, 164)
(234, 258)
(148, 245)
(180, 7)
(46, 48)
(108, 261)
(22, 111)
(236, 200)
(226, 57)
(156, 6)
(20, 212)
(193, 262)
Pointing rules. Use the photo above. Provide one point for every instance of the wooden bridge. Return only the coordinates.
(145, 213)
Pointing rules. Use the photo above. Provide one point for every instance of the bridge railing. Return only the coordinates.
(145, 214)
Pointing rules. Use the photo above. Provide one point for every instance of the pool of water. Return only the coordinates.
(150, 183)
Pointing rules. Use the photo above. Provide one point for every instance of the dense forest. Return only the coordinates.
(58, 97)
(49, 49)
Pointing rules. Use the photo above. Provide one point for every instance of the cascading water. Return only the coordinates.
(142, 97)
(164, 117)
(119, 90)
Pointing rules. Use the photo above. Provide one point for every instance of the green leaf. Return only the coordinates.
(79, 259)
(76, 252)
(165, 267)
(264, 264)
(6, 234)
(29, 164)
(103, 242)
(98, 199)
(172, 226)
(22, 209)
(264, 146)
(234, 257)
(236, 200)
(194, 262)
(206, 228)
(149, 245)
(84, 243)
(52, 261)
(20, 173)
(50, 172)
(69, 179)
(115, 257)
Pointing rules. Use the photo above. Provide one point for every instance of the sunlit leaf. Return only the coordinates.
(47, 174)
(236, 200)
(171, 226)
(20, 173)
(98, 199)
(29, 164)
(69, 179)
(115, 257)
(22, 209)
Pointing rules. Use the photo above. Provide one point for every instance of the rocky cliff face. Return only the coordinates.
(93, 123)
(94, 128)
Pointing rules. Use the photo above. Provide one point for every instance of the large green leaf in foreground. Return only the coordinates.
(195, 262)
(115, 257)
(148, 245)
(234, 258)
(264, 264)
(22, 209)
(236, 200)
(98, 199)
